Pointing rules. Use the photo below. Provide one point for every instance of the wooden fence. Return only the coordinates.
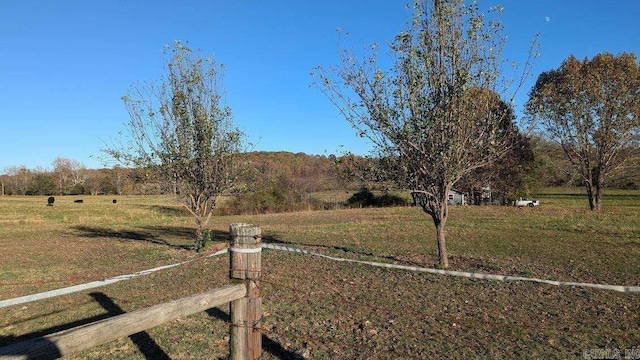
(243, 294)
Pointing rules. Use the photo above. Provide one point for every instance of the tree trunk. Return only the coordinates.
(199, 228)
(597, 196)
(597, 199)
(437, 208)
(439, 220)
(443, 260)
(590, 195)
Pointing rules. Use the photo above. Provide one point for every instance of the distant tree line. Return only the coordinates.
(20, 180)
(535, 164)
(276, 181)
(265, 170)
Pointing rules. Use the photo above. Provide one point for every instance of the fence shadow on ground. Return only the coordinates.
(147, 346)
(152, 234)
(271, 346)
(48, 350)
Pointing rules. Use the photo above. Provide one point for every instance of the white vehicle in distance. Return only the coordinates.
(526, 202)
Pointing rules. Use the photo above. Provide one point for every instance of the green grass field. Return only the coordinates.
(323, 309)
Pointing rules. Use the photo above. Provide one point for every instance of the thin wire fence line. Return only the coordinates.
(469, 275)
(345, 299)
(98, 283)
(314, 341)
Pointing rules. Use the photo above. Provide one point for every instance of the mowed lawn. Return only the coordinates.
(317, 308)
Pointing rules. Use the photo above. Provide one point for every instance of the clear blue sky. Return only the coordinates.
(65, 64)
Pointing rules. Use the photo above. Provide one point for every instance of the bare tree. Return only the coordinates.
(68, 173)
(19, 178)
(180, 129)
(437, 110)
(591, 108)
(119, 176)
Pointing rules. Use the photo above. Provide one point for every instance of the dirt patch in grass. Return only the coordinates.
(381, 313)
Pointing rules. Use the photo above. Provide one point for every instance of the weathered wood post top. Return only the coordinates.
(246, 248)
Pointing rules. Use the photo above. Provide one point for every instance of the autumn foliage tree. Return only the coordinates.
(183, 134)
(509, 176)
(437, 111)
(591, 108)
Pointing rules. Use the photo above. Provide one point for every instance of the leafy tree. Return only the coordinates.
(357, 172)
(591, 109)
(97, 182)
(550, 166)
(508, 178)
(437, 110)
(365, 198)
(182, 134)
(41, 184)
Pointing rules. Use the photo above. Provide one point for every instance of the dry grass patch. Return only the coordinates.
(323, 309)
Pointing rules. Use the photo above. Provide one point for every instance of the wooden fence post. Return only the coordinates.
(246, 313)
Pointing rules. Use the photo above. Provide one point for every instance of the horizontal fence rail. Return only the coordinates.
(470, 275)
(83, 337)
(244, 298)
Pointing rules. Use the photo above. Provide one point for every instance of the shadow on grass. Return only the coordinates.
(272, 347)
(176, 210)
(35, 346)
(136, 235)
(147, 346)
(171, 210)
(152, 234)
